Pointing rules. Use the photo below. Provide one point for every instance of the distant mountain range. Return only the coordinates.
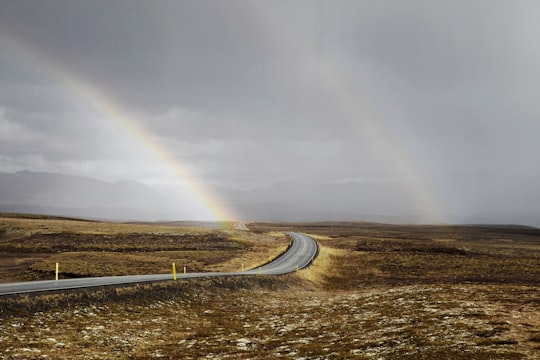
(67, 195)
(352, 200)
(391, 202)
(48, 189)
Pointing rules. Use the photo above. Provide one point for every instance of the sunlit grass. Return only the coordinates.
(375, 291)
(31, 247)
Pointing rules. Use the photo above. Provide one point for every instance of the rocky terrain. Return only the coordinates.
(224, 319)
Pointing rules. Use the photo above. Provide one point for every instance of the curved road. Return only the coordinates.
(300, 254)
(241, 226)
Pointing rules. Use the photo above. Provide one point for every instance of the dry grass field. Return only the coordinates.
(31, 245)
(375, 292)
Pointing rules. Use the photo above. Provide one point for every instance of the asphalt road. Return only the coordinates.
(241, 226)
(299, 255)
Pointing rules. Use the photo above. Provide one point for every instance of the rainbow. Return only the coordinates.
(200, 197)
(348, 98)
(365, 120)
(356, 109)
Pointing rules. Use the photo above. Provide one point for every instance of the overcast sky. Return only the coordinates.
(441, 95)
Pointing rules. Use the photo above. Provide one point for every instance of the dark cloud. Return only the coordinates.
(189, 52)
(251, 93)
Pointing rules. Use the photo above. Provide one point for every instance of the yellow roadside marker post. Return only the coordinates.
(185, 271)
(242, 267)
(174, 271)
(56, 277)
(296, 268)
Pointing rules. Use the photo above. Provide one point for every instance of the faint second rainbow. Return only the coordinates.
(355, 108)
(92, 95)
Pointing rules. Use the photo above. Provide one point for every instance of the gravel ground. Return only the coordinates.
(410, 322)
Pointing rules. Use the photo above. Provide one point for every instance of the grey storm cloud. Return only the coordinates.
(250, 93)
